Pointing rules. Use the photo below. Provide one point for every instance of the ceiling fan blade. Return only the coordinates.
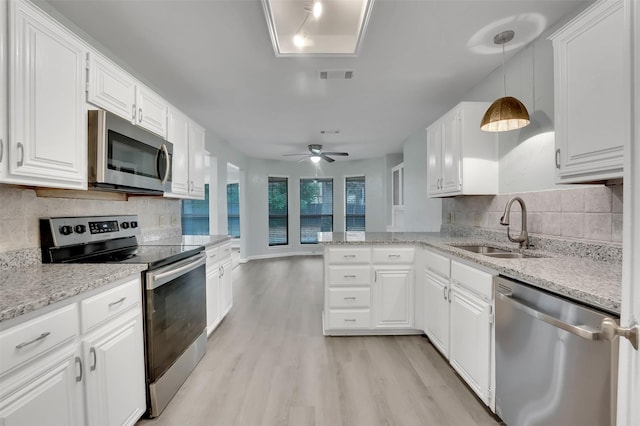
(328, 159)
(344, 154)
(291, 155)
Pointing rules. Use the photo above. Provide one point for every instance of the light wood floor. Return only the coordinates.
(268, 364)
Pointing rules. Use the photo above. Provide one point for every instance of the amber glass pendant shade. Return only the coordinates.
(505, 114)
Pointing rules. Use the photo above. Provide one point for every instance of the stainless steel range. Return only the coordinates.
(173, 286)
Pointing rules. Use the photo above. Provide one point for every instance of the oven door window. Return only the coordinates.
(126, 155)
(175, 316)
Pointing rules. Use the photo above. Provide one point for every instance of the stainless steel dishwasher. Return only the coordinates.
(552, 365)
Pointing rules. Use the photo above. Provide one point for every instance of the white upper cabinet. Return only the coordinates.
(47, 117)
(592, 99)
(110, 88)
(188, 140)
(151, 111)
(461, 159)
(4, 134)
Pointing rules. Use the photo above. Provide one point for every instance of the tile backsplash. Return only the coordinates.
(20, 210)
(585, 213)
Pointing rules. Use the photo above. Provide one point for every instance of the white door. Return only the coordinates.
(196, 160)
(226, 284)
(4, 133)
(178, 135)
(393, 298)
(110, 88)
(629, 367)
(115, 376)
(47, 121)
(151, 111)
(49, 395)
(437, 312)
(451, 153)
(213, 297)
(434, 158)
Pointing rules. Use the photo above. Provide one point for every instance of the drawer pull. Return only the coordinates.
(393, 256)
(30, 342)
(349, 320)
(349, 276)
(122, 299)
(79, 362)
(349, 256)
(92, 352)
(350, 298)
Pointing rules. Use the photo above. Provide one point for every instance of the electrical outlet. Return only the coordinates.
(174, 220)
(161, 220)
(452, 217)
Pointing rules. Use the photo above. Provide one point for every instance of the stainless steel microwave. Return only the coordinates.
(127, 158)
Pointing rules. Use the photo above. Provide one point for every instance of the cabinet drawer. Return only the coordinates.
(471, 278)
(437, 264)
(349, 319)
(393, 255)
(349, 255)
(213, 256)
(349, 275)
(349, 297)
(110, 303)
(32, 338)
(225, 251)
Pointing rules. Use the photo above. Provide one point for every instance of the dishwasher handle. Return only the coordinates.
(578, 330)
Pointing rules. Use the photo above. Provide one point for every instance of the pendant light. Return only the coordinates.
(506, 113)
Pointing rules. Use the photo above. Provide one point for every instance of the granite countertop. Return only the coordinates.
(26, 289)
(190, 240)
(595, 283)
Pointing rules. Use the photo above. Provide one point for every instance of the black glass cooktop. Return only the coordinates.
(153, 256)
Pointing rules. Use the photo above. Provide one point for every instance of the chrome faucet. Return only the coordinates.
(523, 238)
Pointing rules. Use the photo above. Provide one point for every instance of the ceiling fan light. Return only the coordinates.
(317, 9)
(505, 114)
(315, 159)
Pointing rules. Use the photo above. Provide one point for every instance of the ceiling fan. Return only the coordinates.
(316, 153)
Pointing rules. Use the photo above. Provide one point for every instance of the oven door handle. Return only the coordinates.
(167, 274)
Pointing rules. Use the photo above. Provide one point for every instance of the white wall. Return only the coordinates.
(256, 186)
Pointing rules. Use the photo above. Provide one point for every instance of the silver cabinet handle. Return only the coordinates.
(79, 362)
(393, 256)
(219, 271)
(139, 115)
(349, 320)
(122, 299)
(449, 294)
(581, 331)
(1, 149)
(444, 290)
(349, 256)
(558, 158)
(133, 112)
(349, 276)
(350, 298)
(92, 352)
(30, 342)
(610, 329)
(21, 148)
(163, 147)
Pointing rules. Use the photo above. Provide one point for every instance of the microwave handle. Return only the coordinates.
(163, 148)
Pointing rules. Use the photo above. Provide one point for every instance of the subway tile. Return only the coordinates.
(572, 200)
(551, 223)
(534, 223)
(573, 225)
(617, 198)
(597, 226)
(616, 228)
(597, 200)
(546, 201)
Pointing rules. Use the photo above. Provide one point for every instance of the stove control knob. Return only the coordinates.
(134, 224)
(66, 230)
(125, 225)
(80, 229)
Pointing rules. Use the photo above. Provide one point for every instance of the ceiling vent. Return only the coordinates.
(336, 75)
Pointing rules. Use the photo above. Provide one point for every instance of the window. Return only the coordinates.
(316, 208)
(354, 204)
(278, 212)
(233, 210)
(195, 215)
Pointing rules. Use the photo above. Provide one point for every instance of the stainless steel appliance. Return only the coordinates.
(127, 158)
(552, 365)
(173, 288)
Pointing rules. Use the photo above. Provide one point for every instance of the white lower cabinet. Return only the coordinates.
(51, 374)
(437, 311)
(393, 297)
(219, 284)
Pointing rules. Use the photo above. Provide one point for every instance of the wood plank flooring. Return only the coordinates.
(269, 364)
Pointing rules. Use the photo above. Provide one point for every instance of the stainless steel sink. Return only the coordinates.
(509, 255)
(484, 249)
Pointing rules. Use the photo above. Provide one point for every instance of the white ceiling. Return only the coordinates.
(214, 60)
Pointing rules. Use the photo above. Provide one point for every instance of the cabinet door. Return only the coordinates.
(47, 393)
(590, 74)
(226, 285)
(151, 111)
(451, 154)
(434, 158)
(213, 297)
(110, 88)
(196, 160)
(178, 135)
(115, 372)
(48, 121)
(393, 298)
(4, 133)
(470, 347)
(437, 312)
